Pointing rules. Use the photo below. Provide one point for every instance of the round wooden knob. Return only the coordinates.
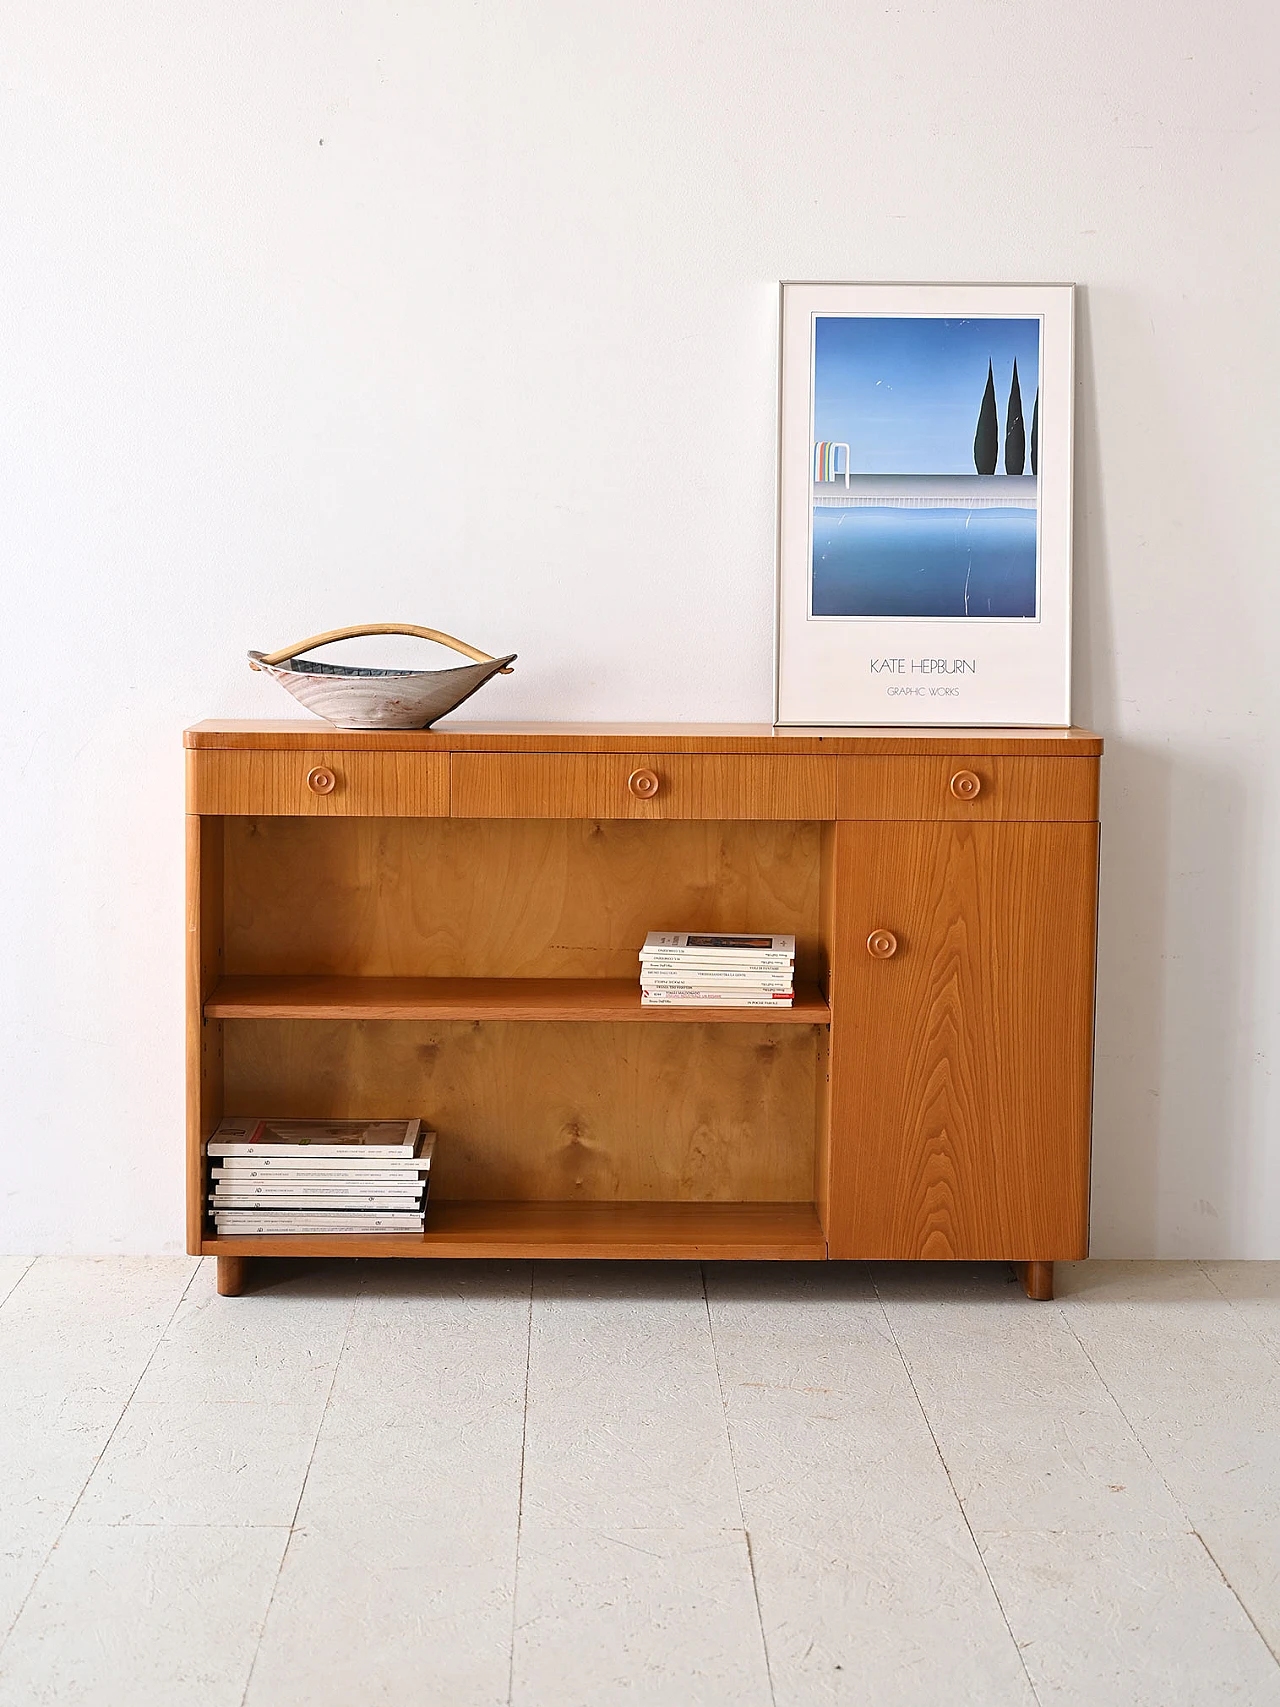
(321, 780)
(881, 944)
(965, 785)
(643, 784)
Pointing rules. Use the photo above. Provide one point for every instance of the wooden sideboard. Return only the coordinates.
(446, 923)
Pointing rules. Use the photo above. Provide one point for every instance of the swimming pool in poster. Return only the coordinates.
(925, 499)
(929, 563)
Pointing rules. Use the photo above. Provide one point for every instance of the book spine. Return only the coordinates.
(388, 1167)
(222, 1204)
(335, 1200)
(685, 969)
(270, 1221)
(318, 1188)
(275, 1230)
(666, 958)
(370, 1152)
(712, 975)
(363, 1179)
(728, 992)
(715, 943)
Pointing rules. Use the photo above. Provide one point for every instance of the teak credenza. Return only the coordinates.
(446, 923)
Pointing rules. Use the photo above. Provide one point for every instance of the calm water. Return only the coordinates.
(870, 561)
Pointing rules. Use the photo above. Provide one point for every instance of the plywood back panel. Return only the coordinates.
(571, 898)
(560, 1112)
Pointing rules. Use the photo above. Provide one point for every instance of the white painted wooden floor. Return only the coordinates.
(563, 1486)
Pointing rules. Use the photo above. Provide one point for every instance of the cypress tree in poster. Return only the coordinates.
(1015, 434)
(1035, 435)
(986, 441)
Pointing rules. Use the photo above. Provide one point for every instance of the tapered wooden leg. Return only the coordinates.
(232, 1274)
(1036, 1278)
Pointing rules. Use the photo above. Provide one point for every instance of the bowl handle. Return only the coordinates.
(287, 652)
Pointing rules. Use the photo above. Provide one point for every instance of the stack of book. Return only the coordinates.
(685, 969)
(320, 1176)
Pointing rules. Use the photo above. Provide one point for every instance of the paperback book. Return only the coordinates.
(305, 1221)
(381, 1139)
(332, 1174)
(725, 948)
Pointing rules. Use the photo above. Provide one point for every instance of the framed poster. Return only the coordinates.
(924, 514)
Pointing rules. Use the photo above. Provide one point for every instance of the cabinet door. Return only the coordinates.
(961, 1060)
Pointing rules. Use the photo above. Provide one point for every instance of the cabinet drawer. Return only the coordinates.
(641, 785)
(287, 784)
(973, 789)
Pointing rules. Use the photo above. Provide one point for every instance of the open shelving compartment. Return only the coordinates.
(484, 974)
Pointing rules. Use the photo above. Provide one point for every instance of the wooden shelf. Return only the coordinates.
(690, 1232)
(608, 999)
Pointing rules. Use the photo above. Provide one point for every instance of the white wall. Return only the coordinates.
(465, 314)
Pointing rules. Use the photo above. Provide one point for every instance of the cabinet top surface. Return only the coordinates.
(314, 735)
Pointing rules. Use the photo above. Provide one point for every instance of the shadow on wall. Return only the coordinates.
(1175, 962)
(1175, 965)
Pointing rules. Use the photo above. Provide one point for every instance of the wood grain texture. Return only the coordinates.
(674, 1232)
(310, 734)
(583, 999)
(944, 1114)
(1031, 789)
(684, 1112)
(594, 785)
(822, 1125)
(961, 1067)
(233, 1272)
(385, 784)
(204, 1036)
(823, 1113)
(516, 898)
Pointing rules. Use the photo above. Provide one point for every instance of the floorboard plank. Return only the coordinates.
(75, 1337)
(1030, 1434)
(870, 1585)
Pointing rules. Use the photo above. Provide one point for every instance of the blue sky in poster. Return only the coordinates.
(904, 393)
